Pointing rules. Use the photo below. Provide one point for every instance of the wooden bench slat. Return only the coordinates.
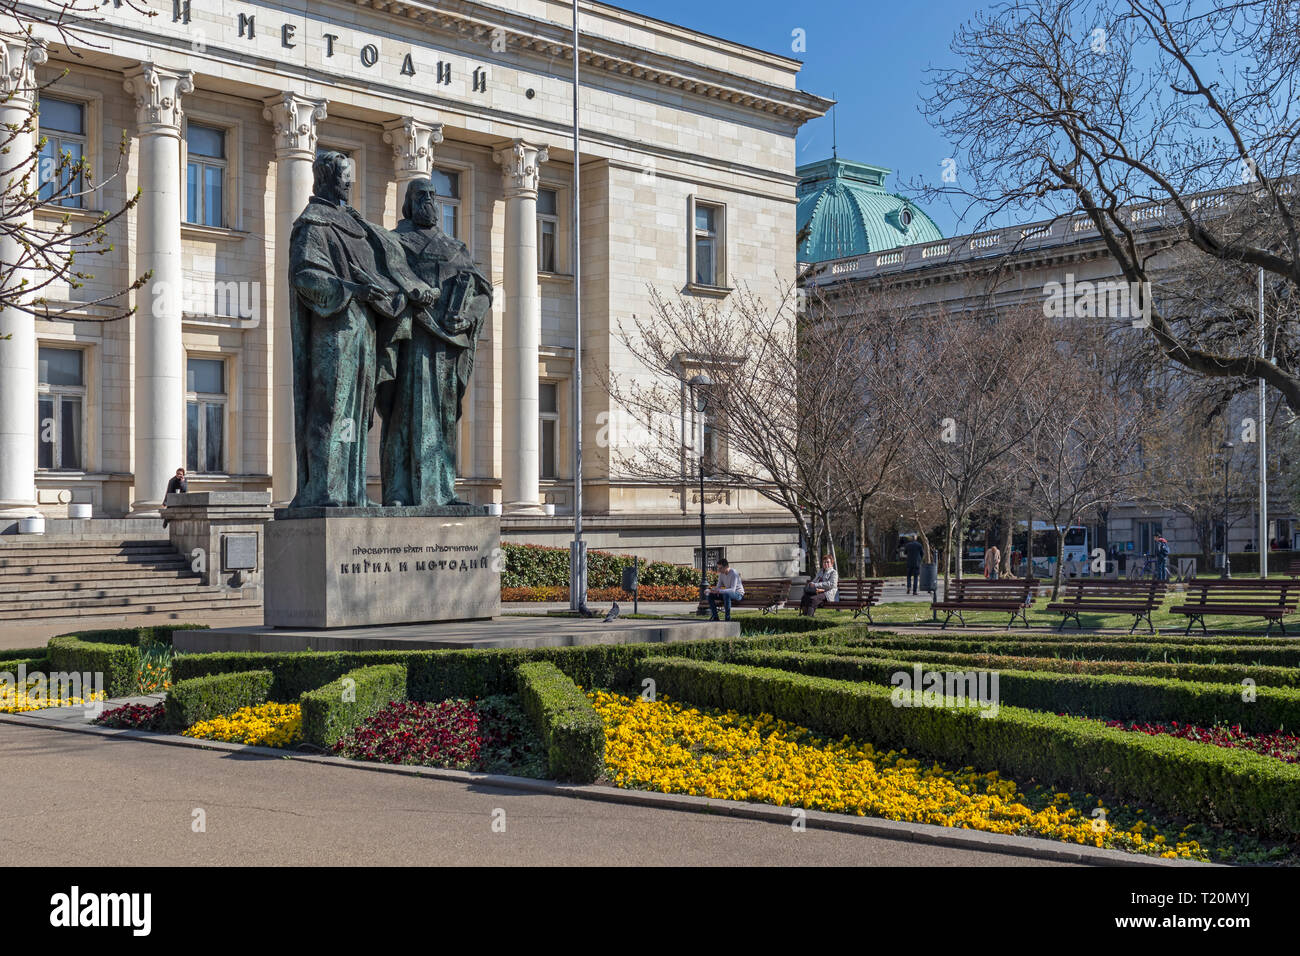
(1271, 600)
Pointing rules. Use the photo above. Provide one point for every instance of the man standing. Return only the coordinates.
(350, 282)
(729, 588)
(912, 551)
(421, 407)
(1162, 559)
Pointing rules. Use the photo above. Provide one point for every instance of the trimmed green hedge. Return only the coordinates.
(1266, 675)
(330, 712)
(1215, 784)
(41, 664)
(119, 663)
(573, 732)
(534, 565)
(757, 623)
(1091, 695)
(204, 698)
(1108, 650)
(137, 636)
(437, 675)
(22, 653)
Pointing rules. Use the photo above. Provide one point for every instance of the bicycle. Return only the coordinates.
(1148, 568)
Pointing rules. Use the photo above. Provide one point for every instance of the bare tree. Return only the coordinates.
(966, 409)
(774, 386)
(43, 253)
(1164, 125)
(1083, 453)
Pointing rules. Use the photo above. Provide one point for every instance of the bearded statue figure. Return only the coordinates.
(421, 407)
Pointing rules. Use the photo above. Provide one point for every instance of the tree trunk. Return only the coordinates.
(862, 541)
(1008, 525)
(1060, 561)
(947, 556)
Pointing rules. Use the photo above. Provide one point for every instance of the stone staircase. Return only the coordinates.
(66, 577)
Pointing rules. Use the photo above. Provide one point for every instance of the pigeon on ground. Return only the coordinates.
(584, 611)
(774, 607)
(613, 613)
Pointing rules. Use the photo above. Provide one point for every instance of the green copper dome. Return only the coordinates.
(845, 210)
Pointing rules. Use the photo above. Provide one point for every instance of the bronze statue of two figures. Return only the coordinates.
(382, 321)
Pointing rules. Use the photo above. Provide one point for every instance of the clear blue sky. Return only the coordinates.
(869, 55)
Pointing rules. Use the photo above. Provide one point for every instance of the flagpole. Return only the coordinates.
(1263, 440)
(578, 550)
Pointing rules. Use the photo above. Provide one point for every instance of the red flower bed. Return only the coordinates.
(490, 735)
(133, 717)
(445, 734)
(648, 592)
(1280, 745)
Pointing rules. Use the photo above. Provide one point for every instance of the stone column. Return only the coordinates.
(412, 143)
(295, 118)
(159, 350)
(520, 163)
(19, 56)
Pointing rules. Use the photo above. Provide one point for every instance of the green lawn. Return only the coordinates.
(919, 613)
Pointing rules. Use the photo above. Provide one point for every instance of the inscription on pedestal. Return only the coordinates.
(361, 571)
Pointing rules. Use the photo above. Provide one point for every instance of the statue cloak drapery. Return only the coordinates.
(342, 345)
(421, 410)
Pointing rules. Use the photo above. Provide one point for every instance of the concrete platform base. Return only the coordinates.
(497, 632)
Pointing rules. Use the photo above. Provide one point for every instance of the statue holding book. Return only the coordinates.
(421, 406)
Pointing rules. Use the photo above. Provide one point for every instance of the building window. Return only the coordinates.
(707, 236)
(1148, 531)
(205, 416)
(61, 402)
(549, 428)
(205, 175)
(447, 186)
(712, 449)
(548, 229)
(63, 129)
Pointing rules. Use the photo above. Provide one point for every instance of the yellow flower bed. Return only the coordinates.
(267, 725)
(665, 746)
(15, 700)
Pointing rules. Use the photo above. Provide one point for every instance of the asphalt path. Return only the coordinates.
(77, 799)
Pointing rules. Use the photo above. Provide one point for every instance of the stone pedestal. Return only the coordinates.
(361, 567)
(221, 532)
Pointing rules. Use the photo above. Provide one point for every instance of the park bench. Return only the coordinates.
(1097, 596)
(858, 595)
(770, 594)
(1239, 597)
(978, 594)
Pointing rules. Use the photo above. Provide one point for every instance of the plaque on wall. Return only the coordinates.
(239, 552)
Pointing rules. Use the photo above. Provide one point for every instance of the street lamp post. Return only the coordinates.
(698, 384)
(1226, 448)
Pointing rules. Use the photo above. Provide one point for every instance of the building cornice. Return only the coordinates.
(554, 41)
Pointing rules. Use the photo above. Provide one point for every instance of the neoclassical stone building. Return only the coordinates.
(1017, 266)
(687, 186)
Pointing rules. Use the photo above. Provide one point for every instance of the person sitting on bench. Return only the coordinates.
(729, 588)
(825, 587)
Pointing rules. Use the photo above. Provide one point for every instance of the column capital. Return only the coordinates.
(520, 167)
(412, 143)
(19, 57)
(295, 118)
(158, 95)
